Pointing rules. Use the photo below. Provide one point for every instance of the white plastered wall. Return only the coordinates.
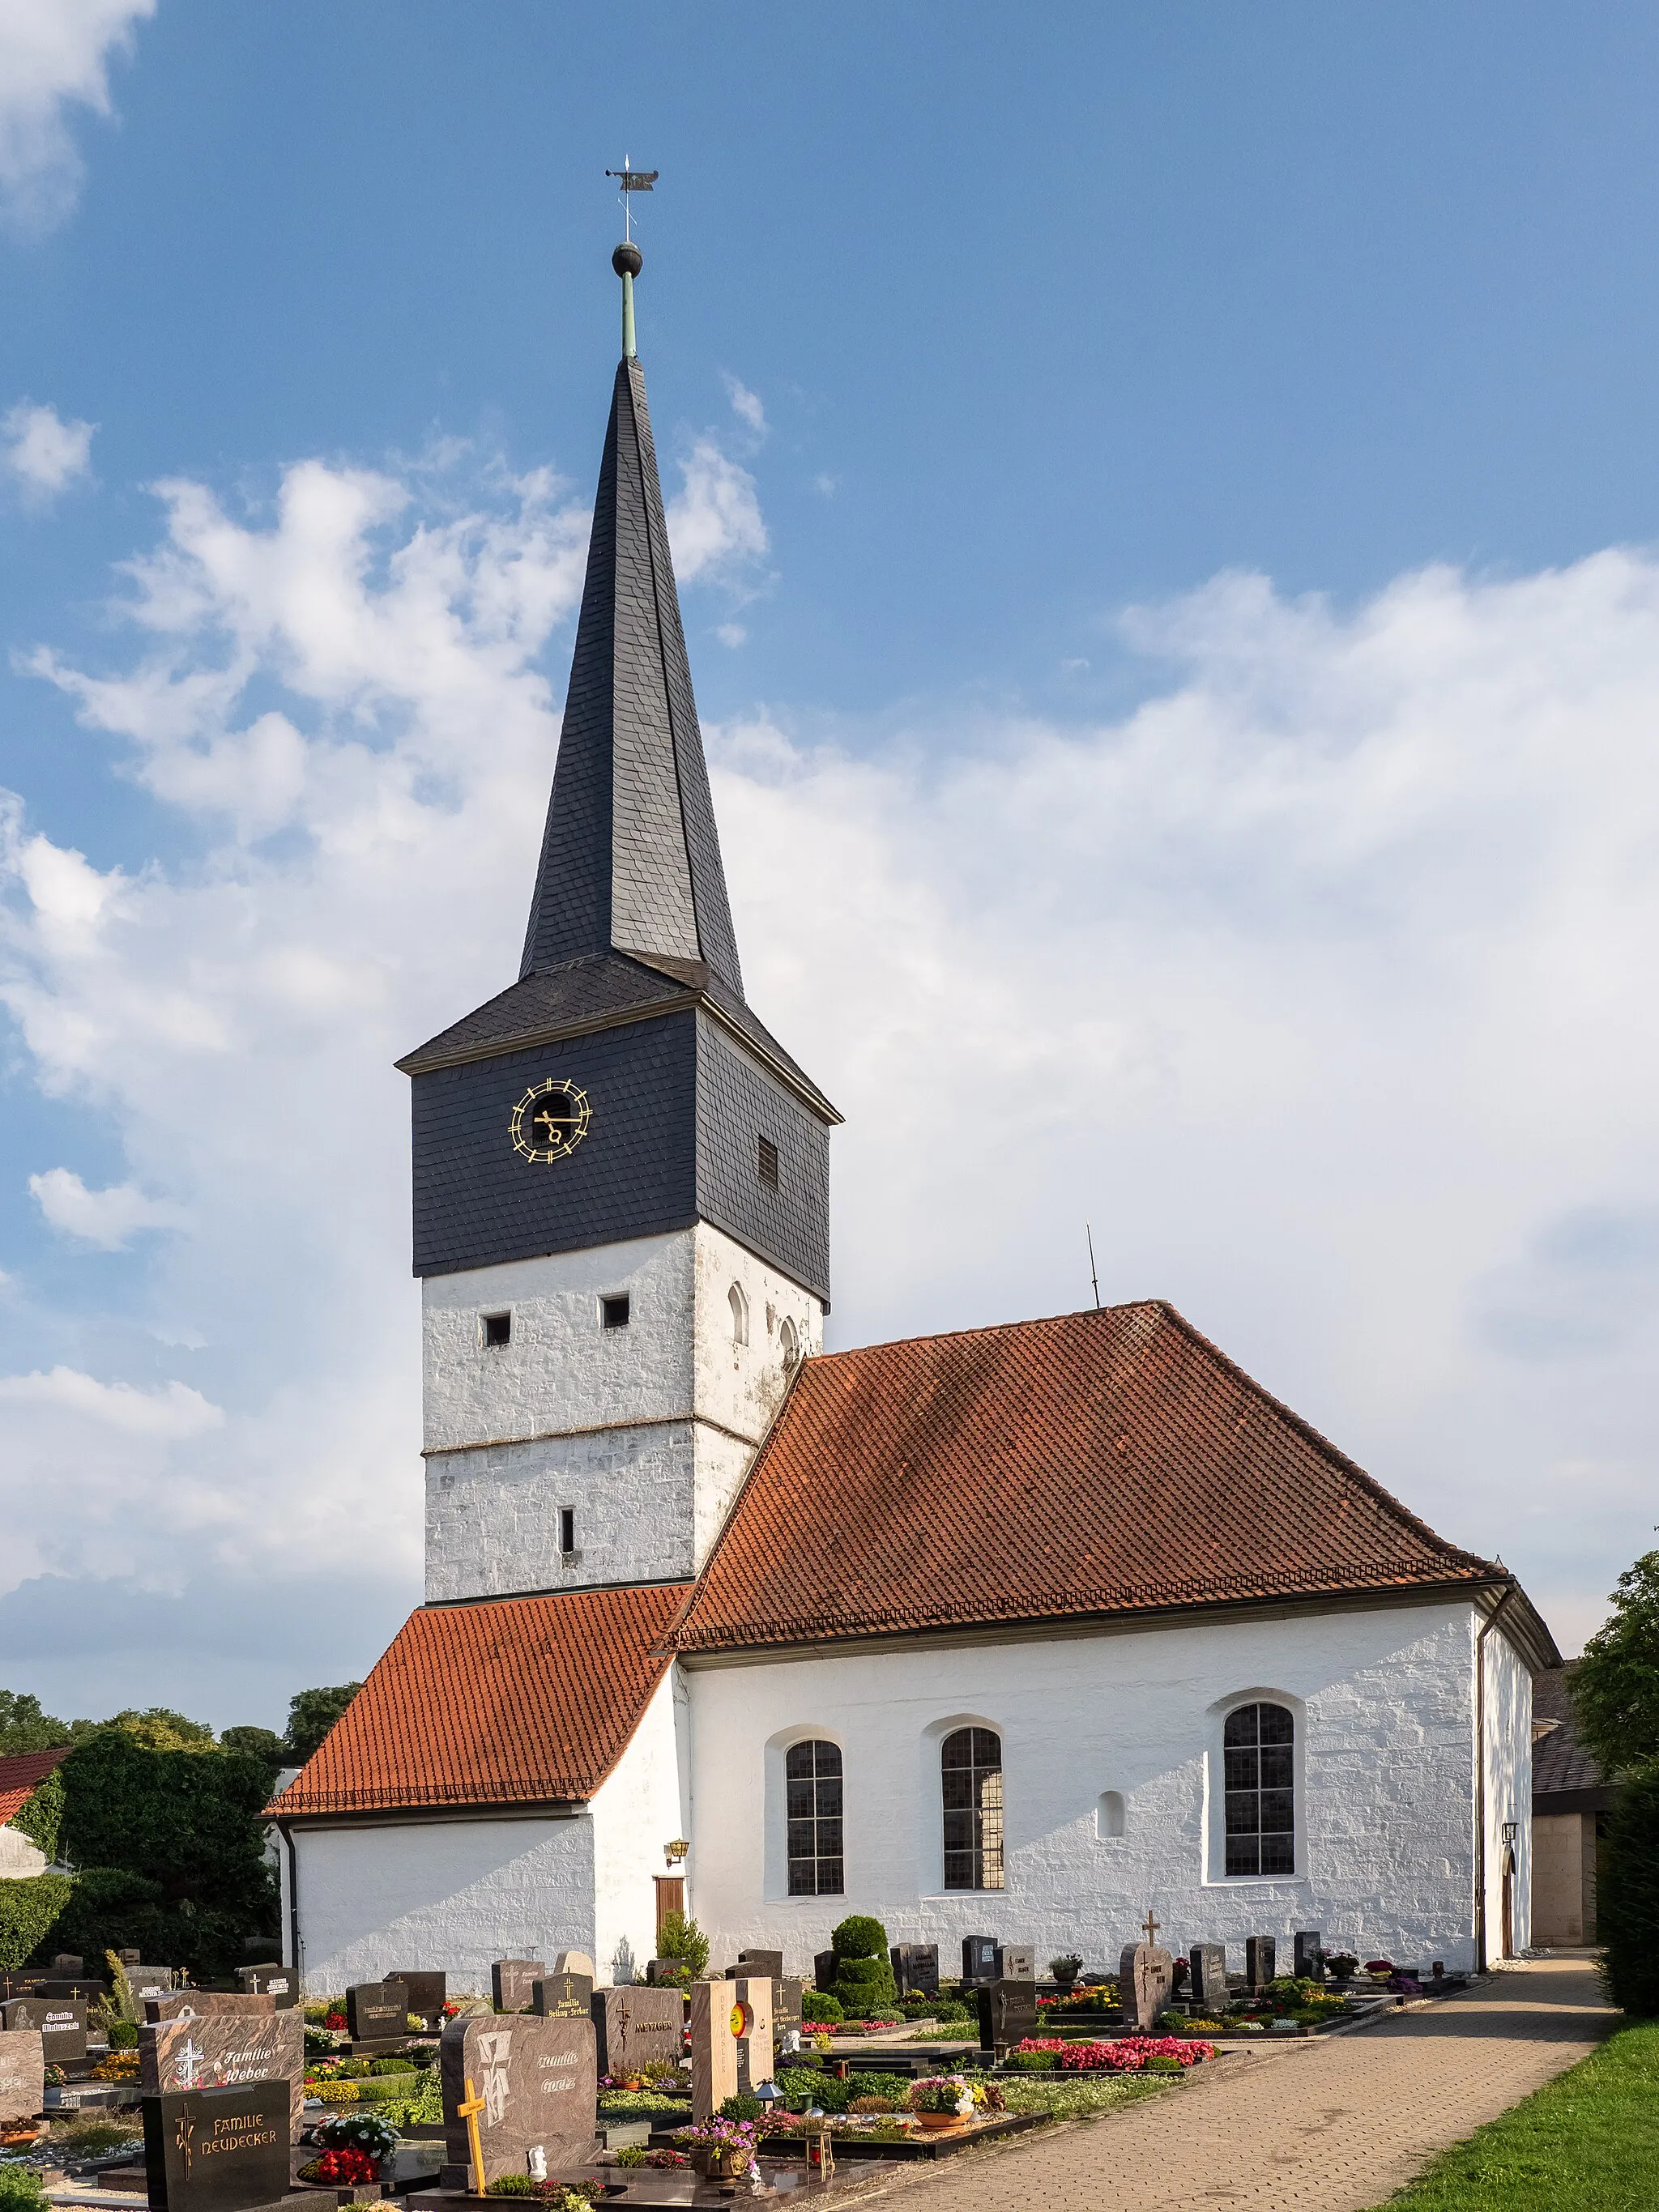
(1507, 1753)
(636, 1810)
(645, 1433)
(1384, 1704)
(454, 1894)
(20, 1856)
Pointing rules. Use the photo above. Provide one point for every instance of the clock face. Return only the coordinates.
(550, 1120)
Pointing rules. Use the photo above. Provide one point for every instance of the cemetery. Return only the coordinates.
(680, 2087)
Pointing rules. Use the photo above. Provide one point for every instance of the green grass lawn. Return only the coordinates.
(1588, 2142)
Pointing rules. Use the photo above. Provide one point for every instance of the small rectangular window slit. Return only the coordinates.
(613, 1312)
(497, 1329)
(768, 1163)
(567, 1531)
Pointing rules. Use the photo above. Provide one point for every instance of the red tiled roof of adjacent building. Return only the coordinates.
(1107, 1461)
(21, 1775)
(509, 1701)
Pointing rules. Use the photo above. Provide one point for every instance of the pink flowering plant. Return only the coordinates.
(1128, 2055)
(718, 2134)
(942, 2092)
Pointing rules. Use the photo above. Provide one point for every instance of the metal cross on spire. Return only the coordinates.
(626, 260)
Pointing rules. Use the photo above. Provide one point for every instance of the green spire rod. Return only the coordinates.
(626, 262)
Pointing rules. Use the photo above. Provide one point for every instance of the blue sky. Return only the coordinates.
(1145, 480)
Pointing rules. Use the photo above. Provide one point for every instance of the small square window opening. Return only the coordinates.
(567, 1531)
(497, 1329)
(768, 1163)
(613, 1312)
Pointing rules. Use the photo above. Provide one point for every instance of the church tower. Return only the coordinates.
(621, 1189)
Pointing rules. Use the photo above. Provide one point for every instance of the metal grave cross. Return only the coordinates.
(469, 2109)
(1152, 1926)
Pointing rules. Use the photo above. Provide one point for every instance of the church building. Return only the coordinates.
(1016, 1630)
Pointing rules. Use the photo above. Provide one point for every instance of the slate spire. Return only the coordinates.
(630, 857)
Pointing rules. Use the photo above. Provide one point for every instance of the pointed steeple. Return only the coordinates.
(630, 859)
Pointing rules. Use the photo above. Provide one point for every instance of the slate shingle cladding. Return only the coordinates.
(630, 985)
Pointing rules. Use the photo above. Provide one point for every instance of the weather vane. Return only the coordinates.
(632, 181)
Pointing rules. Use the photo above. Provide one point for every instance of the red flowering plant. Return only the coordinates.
(343, 2169)
(1128, 2055)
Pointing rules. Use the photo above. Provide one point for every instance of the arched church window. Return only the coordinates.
(1258, 1750)
(971, 1773)
(787, 1338)
(812, 1783)
(739, 1305)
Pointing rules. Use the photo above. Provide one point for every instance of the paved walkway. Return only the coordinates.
(1336, 2122)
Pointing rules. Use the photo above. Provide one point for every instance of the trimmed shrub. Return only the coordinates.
(863, 1981)
(29, 1910)
(804, 2086)
(858, 1936)
(1628, 1898)
(819, 2005)
(742, 2107)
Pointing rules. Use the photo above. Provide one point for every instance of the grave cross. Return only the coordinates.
(469, 2109)
(1150, 1925)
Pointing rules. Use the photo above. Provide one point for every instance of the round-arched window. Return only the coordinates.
(790, 1343)
(739, 1305)
(970, 1776)
(813, 1782)
(1258, 1751)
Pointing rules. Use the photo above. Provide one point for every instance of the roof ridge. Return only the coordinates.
(990, 1328)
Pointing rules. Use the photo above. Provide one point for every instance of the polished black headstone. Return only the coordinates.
(785, 2007)
(824, 1969)
(1308, 1961)
(1208, 1987)
(979, 1957)
(377, 2012)
(767, 1963)
(67, 1965)
(280, 1984)
(62, 2023)
(217, 2151)
(428, 1991)
(1008, 2014)
(1258, 1952)
(562, 1996)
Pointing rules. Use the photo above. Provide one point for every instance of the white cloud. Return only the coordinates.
(1318, 984)
(731, 634)
(746, 406)
(42, 452)
(108, 1218)
(174, 1411)
(54, 55)
(715, 525)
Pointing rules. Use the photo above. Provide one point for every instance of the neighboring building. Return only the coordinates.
(1570, 1803)
(1014, 1631)
(20, 1776)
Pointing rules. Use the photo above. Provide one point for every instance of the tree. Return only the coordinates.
(159, 1728)
(1627, 1897)
(312, 1714)
(24, 1727)
(1616, 1686)
(262, 1745)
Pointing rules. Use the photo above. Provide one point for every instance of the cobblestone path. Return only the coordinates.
(1335, 2123)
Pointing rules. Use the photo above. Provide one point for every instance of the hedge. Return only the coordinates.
(29, 1909)
(1628, 1898)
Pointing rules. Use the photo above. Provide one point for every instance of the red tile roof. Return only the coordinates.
(510, 1701)
(1108, 1461)
(22, 1775)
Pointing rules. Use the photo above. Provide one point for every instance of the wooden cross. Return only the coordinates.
(469, 2109)
(1150, 1925)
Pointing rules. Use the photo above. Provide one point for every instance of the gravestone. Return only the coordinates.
(22, 2074)
(426, 1991)
(128, 1958)
(216, 2150)
(150, 1981)
(979, 1957)
(60, 2021)
(755, 2057)
(564, 1997)
(83, 1992)
(1308, 1965)
(634, 2026)
(769, 1963)
(198, 2004)
(280, 1984)
(1016, 1963)
(539, 2081)
(1008, 2014)
(377, 2012)
(1259, 1954)
(67, 1965)
(1208, 1987)
(513, 1983)
(915, 1969)
(225, 2050)
(1145, 1983)
(20, 1985)
(824, 1969)
(786, 2012)
(716, 2022)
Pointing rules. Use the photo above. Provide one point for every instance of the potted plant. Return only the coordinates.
(1340, 1965)
(941, 2101)
(721, 2151)
(1065, 1969)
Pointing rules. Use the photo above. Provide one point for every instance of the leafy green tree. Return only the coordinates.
(24, 1727)
(312, 1714)
(262, 1745)
(1627, 1897)
(681, 1939)
(174, 1850)
(159, 1728)
(40, 1816)
(1616, 1686)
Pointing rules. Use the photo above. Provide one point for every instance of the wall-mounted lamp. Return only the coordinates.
(678, 1851)
(1511, 1829)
